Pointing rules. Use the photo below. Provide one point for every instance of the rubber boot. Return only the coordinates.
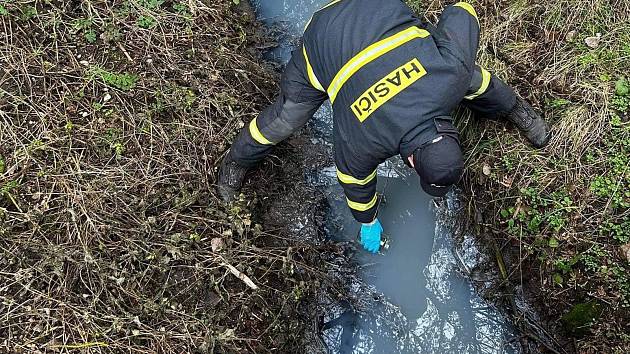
(231, 176)
(530, 123)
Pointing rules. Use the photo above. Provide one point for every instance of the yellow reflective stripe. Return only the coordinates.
(308, 23)
(347, 179)
(330, 4)
(371, 53)
(362, 206)
(468, 7)
(484, 85)
(311, 19)
(311, 74)
(256, 134)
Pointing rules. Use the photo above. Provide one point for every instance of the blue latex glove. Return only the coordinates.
(371, 236)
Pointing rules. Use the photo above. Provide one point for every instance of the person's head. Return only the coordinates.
(440, 165)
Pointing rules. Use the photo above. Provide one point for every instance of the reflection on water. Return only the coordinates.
(412, 297)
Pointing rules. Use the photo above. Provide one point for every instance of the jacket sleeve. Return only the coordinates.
(360, 191)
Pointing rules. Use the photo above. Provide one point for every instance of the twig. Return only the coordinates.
(240, 275)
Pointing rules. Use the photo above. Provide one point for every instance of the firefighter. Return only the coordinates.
(393, 81)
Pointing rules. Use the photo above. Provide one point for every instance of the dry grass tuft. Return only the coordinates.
(113, 117)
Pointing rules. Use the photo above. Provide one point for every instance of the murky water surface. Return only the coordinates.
(413, 297)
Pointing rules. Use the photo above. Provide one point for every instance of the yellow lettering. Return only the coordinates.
(387, 88)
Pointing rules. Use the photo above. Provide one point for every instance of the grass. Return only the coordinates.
(112, 127)
(564, 209)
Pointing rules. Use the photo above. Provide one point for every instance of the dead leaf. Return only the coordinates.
(571, 36)
(486, 169)
(593, 42)
(217, 244)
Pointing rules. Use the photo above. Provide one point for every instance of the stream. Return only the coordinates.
(414, 297)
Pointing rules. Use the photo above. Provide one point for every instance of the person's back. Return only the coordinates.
(385, 75)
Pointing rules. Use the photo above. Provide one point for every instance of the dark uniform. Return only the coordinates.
(393, 82)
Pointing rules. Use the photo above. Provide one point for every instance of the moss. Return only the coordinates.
(581, 317)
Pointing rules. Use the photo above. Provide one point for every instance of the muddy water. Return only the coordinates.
(412, 298)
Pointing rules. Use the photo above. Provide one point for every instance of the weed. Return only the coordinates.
(119, 148)
(28, 13)
(69, 126)
(151, 4)
(36, 145)
(3, 166)
(85, 25)
(90, 36)
(122, 81)
(618, 231)
(8, 188)
(558, 103)
(565, 265)
(181, 9)
(620, 103)
(111, 33)
(622, 87)
(146, 22)
(3, 11)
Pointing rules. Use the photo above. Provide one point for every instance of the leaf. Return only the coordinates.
(217, 244)
(553, 243)
(622, 87)
(593, 42)
(236, 2)
(486, 170)
(557, 278)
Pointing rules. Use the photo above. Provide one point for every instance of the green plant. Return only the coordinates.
(111, 33)
(8, 188)
(85, 25)
(558, 102)
(122, 81)
(28, 13)
(622, 87)
(181, 8)
(621, 100)
(90, 36)
(151, 4)
(610, 188)
(3, 165)
(620, 103)
(146, 22)
(119, 148)
(594, 258)
(618, 231)
(3, 11)
(565, 265)
(581, 317)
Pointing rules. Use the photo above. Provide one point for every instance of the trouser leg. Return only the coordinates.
(295, 105)
(488, 95)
